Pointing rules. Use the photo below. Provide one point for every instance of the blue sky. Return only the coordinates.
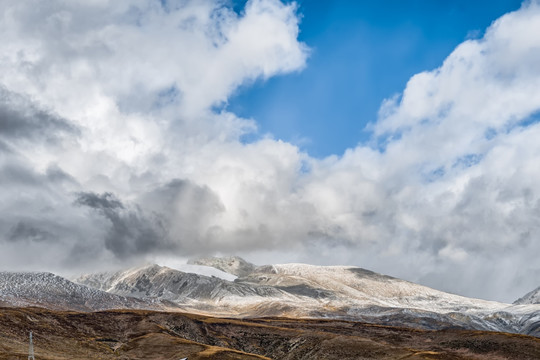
(362, 53)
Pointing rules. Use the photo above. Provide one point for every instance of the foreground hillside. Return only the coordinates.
(137, 334)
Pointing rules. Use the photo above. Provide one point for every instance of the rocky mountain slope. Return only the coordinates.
(532, 297)
(54, 292)
(131, 334)
(193, 292)
(299, 290)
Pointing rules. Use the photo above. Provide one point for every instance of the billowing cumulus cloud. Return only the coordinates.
(112, 150)
(111, 102)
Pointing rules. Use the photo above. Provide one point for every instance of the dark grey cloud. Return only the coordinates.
(25, 230)
(131, 232)
(187, 210)
(103, 202)
(170, 218)
(181, 194)
(16, 172)
(176, 216)
(20, 118)
(5, 148)
(19, 174)
(56, 174)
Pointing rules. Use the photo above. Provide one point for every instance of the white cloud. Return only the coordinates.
(452, 196)
(456, 180)
(138, 81)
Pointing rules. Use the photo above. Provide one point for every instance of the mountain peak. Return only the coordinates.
(234, 265)
(532, 297)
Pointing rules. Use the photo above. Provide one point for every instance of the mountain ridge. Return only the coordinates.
(299, 291)
(309, 291)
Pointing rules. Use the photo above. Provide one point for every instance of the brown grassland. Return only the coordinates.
(162, 335)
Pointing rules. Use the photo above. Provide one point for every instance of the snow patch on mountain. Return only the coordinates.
(201, 270)
(231, 264)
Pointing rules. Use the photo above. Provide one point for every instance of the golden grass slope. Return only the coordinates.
(132, 334)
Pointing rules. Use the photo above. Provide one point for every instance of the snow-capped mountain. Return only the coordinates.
(532, 297)
(239, 289)
(300, 290)
(187, 289)
(54, 292)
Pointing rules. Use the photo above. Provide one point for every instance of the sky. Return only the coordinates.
(361, 52)
(398, 139)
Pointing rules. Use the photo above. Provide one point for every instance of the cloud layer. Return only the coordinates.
(114, 149)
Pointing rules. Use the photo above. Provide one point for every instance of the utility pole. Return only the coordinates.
(31, 349)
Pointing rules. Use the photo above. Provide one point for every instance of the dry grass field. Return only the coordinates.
(161, 335)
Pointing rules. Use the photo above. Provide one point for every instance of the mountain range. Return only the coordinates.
(232, 287)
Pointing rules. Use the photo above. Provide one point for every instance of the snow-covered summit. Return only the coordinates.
(532, 297)
(231, 264)
(164, 283)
